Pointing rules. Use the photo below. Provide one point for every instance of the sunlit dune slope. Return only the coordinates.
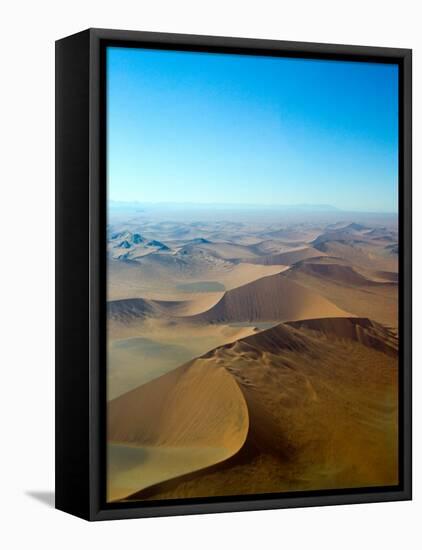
(167, 410)
(197, 410)
(322, 405)
(188, 419)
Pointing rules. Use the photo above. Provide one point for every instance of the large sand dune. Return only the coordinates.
(273, 298)
(321, 400)
(195, 406)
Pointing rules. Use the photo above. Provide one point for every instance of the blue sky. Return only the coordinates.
(217, 128)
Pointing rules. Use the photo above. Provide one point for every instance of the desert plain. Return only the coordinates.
(250, 351)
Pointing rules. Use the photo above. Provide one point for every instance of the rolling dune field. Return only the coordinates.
(251, 354)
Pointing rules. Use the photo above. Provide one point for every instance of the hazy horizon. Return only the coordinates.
(305, 207)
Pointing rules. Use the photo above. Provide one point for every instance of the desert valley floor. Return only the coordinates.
(250, 352)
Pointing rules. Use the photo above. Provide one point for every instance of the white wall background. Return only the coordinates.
(27, 36)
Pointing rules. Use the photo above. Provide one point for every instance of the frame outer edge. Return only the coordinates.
(72, 256)
(403, 56)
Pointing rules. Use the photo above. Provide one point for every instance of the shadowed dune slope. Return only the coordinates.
(362, 330)
(294, 336)
(390, 276)
(322, 407)
(273, 298)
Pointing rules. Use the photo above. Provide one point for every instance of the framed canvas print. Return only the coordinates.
(233, 274)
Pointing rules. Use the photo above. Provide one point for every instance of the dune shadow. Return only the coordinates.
(45, 497)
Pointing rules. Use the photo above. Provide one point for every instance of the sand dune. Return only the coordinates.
(224, 250)
(282, 338)
(333, 271)
(273, 298)
(345, 235)
(198, 305)
(362, 330)
(288, 258)
(139, 308)
(295, 378)
(244, 273)
(348, 289)
(267, 247)
(390, 276)
(194, 406)
(124, 310)
(289, 234)
(365, 255)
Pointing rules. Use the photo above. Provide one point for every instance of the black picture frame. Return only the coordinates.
(81, 272)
